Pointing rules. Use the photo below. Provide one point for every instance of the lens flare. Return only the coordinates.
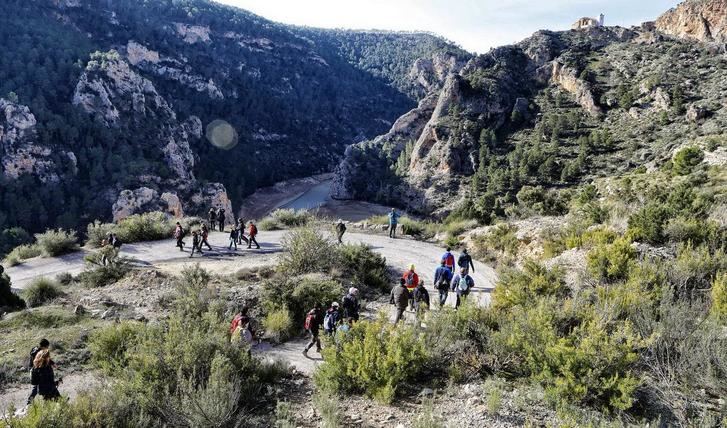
(221, 134)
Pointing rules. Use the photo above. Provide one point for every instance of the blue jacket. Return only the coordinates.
(442, 272)
(393, 217)
(455, 284)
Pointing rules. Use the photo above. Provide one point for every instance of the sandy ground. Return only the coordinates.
(73, 384)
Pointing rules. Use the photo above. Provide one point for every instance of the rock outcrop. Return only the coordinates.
(567, 78)
(21, 154)
(702, 20)
(192, 33)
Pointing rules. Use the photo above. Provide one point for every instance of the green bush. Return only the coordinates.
(364, 266)
(292, 218)
(696, 231)
(299, 295)
(40, 291)
(97, 275)
(306, 250)
(146, 227)
(110, 345)
(648, 223)
(83, 411)
(8, 299)
(278, 324)
(97, 231)
(269, 223)
(22, 252)
(57, 242)
(413, 228)
(519, 287)
(500, 244)
(611, 262)
(686, 159)
(719, 297)
(696, 267)
(393, 355)
(13, 237)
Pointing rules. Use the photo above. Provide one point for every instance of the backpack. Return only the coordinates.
(117, 243)
(253, 229)
(448, 260)
(310, 319)
(463, 285)
(443, 282)
(410, 279)
(35, 376)
(33, 353)
(329, 322)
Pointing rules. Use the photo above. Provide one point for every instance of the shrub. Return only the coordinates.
(696, 231)
(97, 231)
(378, 219)
(413, 228)
(611, 262)
(696, 267)
(686, 159)
(146, 227)
(64, 278)
(101, 276)
(648, 223)
(8, 299)
(520, 287)
(500, 242)
(719, 297)
(269, 223)
(110, 345)
(57, 242)
(328, 408)
(306, 250)
(13, 237)
(299, 295)
(364, 266)
(22, 252)
(392, 355)
(278, 324)
(291, 217)
(40, 291)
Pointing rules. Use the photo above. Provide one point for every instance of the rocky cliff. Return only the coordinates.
(702, 20)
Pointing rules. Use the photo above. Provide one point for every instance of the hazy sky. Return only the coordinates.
(476, 25)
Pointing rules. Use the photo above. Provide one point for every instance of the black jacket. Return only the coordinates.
(46, 381)
(350, 307)
(420, 295)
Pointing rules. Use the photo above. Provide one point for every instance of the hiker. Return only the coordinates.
(239, 318)
(442, 281)
(212, 215)
(313, 322)
(43, 345)
(400, 299)
(42, 376)
(393, 221)
(252, 232)
(204, 235)
(411, 279)
(465, 261)
(340, 230)
(179, 235)
(241, 232)
(196, 244)
(343, 329)
(103, 249)
(331, 319)
(462, 283)
(421, 299)
(448, 259)
(221, 219)
(234, 233)
(241, 328)
(351, 305)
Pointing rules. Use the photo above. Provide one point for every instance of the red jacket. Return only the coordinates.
(252, 230)
(411, 283)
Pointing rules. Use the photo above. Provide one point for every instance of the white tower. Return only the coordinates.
(600, 20)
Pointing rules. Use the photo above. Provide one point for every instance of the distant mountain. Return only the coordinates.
(106, 104)
(554, 111)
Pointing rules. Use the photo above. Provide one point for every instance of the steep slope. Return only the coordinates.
(555, 110)
(704, 20)
(292, 99)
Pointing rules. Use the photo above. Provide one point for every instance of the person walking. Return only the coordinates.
(252, 233)
(442, 281)
(400, 299)
(179, 236)
(393, 222)
(462, 283)
(448, 259)
(411, 279)
(313, 322)
(204, 235)
(43, 345)
(43, 376)
(212, 215)
(340, 230)
(465, 261)
(331, 319)
(234, 232)
(221, 219)
(196, 244)
(421, 299)
(241, 232)
(351, 305)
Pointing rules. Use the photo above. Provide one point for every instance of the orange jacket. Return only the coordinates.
(414, 279)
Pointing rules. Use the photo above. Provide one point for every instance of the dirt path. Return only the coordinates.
(73, 384)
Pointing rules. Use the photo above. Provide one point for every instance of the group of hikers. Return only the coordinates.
(217, 221)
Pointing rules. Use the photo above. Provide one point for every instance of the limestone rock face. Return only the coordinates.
(431, 73)
(567, 78)
(192, 33)
(132, 202)
(702, 20)
(21, 154)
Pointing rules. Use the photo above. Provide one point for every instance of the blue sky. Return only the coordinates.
(476, 25)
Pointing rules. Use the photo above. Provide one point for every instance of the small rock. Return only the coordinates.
(426, 392)
(355, 417)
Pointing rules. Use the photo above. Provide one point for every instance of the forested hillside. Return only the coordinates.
(294, 96)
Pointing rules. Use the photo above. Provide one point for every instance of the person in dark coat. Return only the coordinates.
(43, 345)
(43, 376)
(400, 299)
(314, 321)
(196, 244)
(340, 230)
(212, 215)
(421, 298)
(465, 261)
(442, 281)
(179, 236)
(221, 219)
(350, 304)
(204, 234)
